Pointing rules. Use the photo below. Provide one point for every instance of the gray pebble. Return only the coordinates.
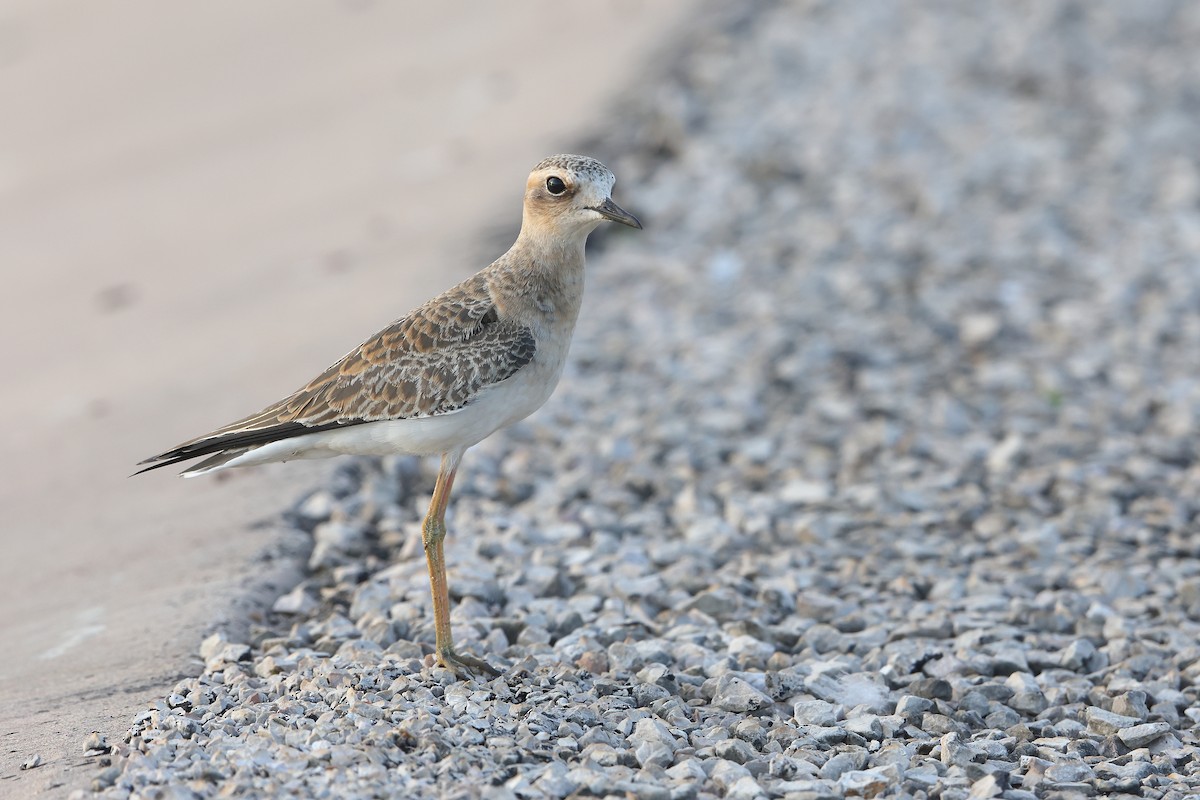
(297, 601)
(652, 743)
(1136, 736)
(96, 742)
(745, 788)
(815, 712)
(1027, 696)
(1131, 704)
(1106, 722)
(985, 787)
(724, 774)
(844, 762)
(866, 726)
(1069, 772)
(932, 689)
(912, 706)
(1082, 656)
(735, 694)
(734, 750)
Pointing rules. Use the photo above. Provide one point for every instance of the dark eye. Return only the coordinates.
(555, 185)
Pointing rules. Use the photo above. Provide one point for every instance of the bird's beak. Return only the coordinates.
(610, 210)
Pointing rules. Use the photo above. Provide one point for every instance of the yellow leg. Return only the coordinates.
(433, 534)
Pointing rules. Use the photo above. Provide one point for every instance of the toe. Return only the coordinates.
(462, 665)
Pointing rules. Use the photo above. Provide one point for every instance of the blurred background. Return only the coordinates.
(201, 206)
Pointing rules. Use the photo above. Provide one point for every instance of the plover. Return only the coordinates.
(474, 359)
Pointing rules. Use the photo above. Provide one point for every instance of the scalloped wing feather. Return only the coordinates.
(433, 361)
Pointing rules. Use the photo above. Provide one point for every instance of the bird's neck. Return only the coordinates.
(550, 249)
(548, 275)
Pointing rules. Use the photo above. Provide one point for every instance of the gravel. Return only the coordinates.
(874, 472)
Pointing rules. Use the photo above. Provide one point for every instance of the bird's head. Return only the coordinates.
(569, 196)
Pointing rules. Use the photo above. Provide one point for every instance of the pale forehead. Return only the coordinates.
(579, 166)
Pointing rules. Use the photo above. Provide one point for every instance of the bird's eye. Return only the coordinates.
(555, 185)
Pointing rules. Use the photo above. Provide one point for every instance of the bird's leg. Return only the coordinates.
(433, 534)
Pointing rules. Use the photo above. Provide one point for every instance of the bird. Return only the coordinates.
(480, 356)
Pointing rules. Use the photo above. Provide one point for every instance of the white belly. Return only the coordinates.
(492, 409)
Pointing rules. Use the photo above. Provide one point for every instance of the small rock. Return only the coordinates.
(1082, 656)
(317, 507)
(360, 651)
(687, 771)
(229, 653)
(745, 788)
(1069, 772)
(1136, 736)
(1131, 704)
(96, 742)
(1167, 744)
(749, 649)
(594, 661)
(912, 706)
(735, 694)
(978, 329)
(841, 763)
(869, 782)
(815, 712)
(985, 787)
(724, 774)
(652, 743)
(105, 778)
(734, 750)
(212, 645)
(1008, 660)
(866, 726)
(297, 601)
(955, 752)
(932, 689)
(1106, 722)
(801, 492)
(335, 543)
(1027, 695)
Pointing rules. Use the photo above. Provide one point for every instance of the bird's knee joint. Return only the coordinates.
(432, 532)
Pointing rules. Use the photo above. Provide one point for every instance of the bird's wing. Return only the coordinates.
(433, 361)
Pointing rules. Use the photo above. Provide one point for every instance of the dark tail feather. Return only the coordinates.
(240, 442)
(166, 463)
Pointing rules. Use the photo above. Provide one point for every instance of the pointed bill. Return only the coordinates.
(610, 210)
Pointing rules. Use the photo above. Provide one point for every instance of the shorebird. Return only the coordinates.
(472, 360)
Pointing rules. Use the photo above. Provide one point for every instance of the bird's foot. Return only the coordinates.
(463, 665)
